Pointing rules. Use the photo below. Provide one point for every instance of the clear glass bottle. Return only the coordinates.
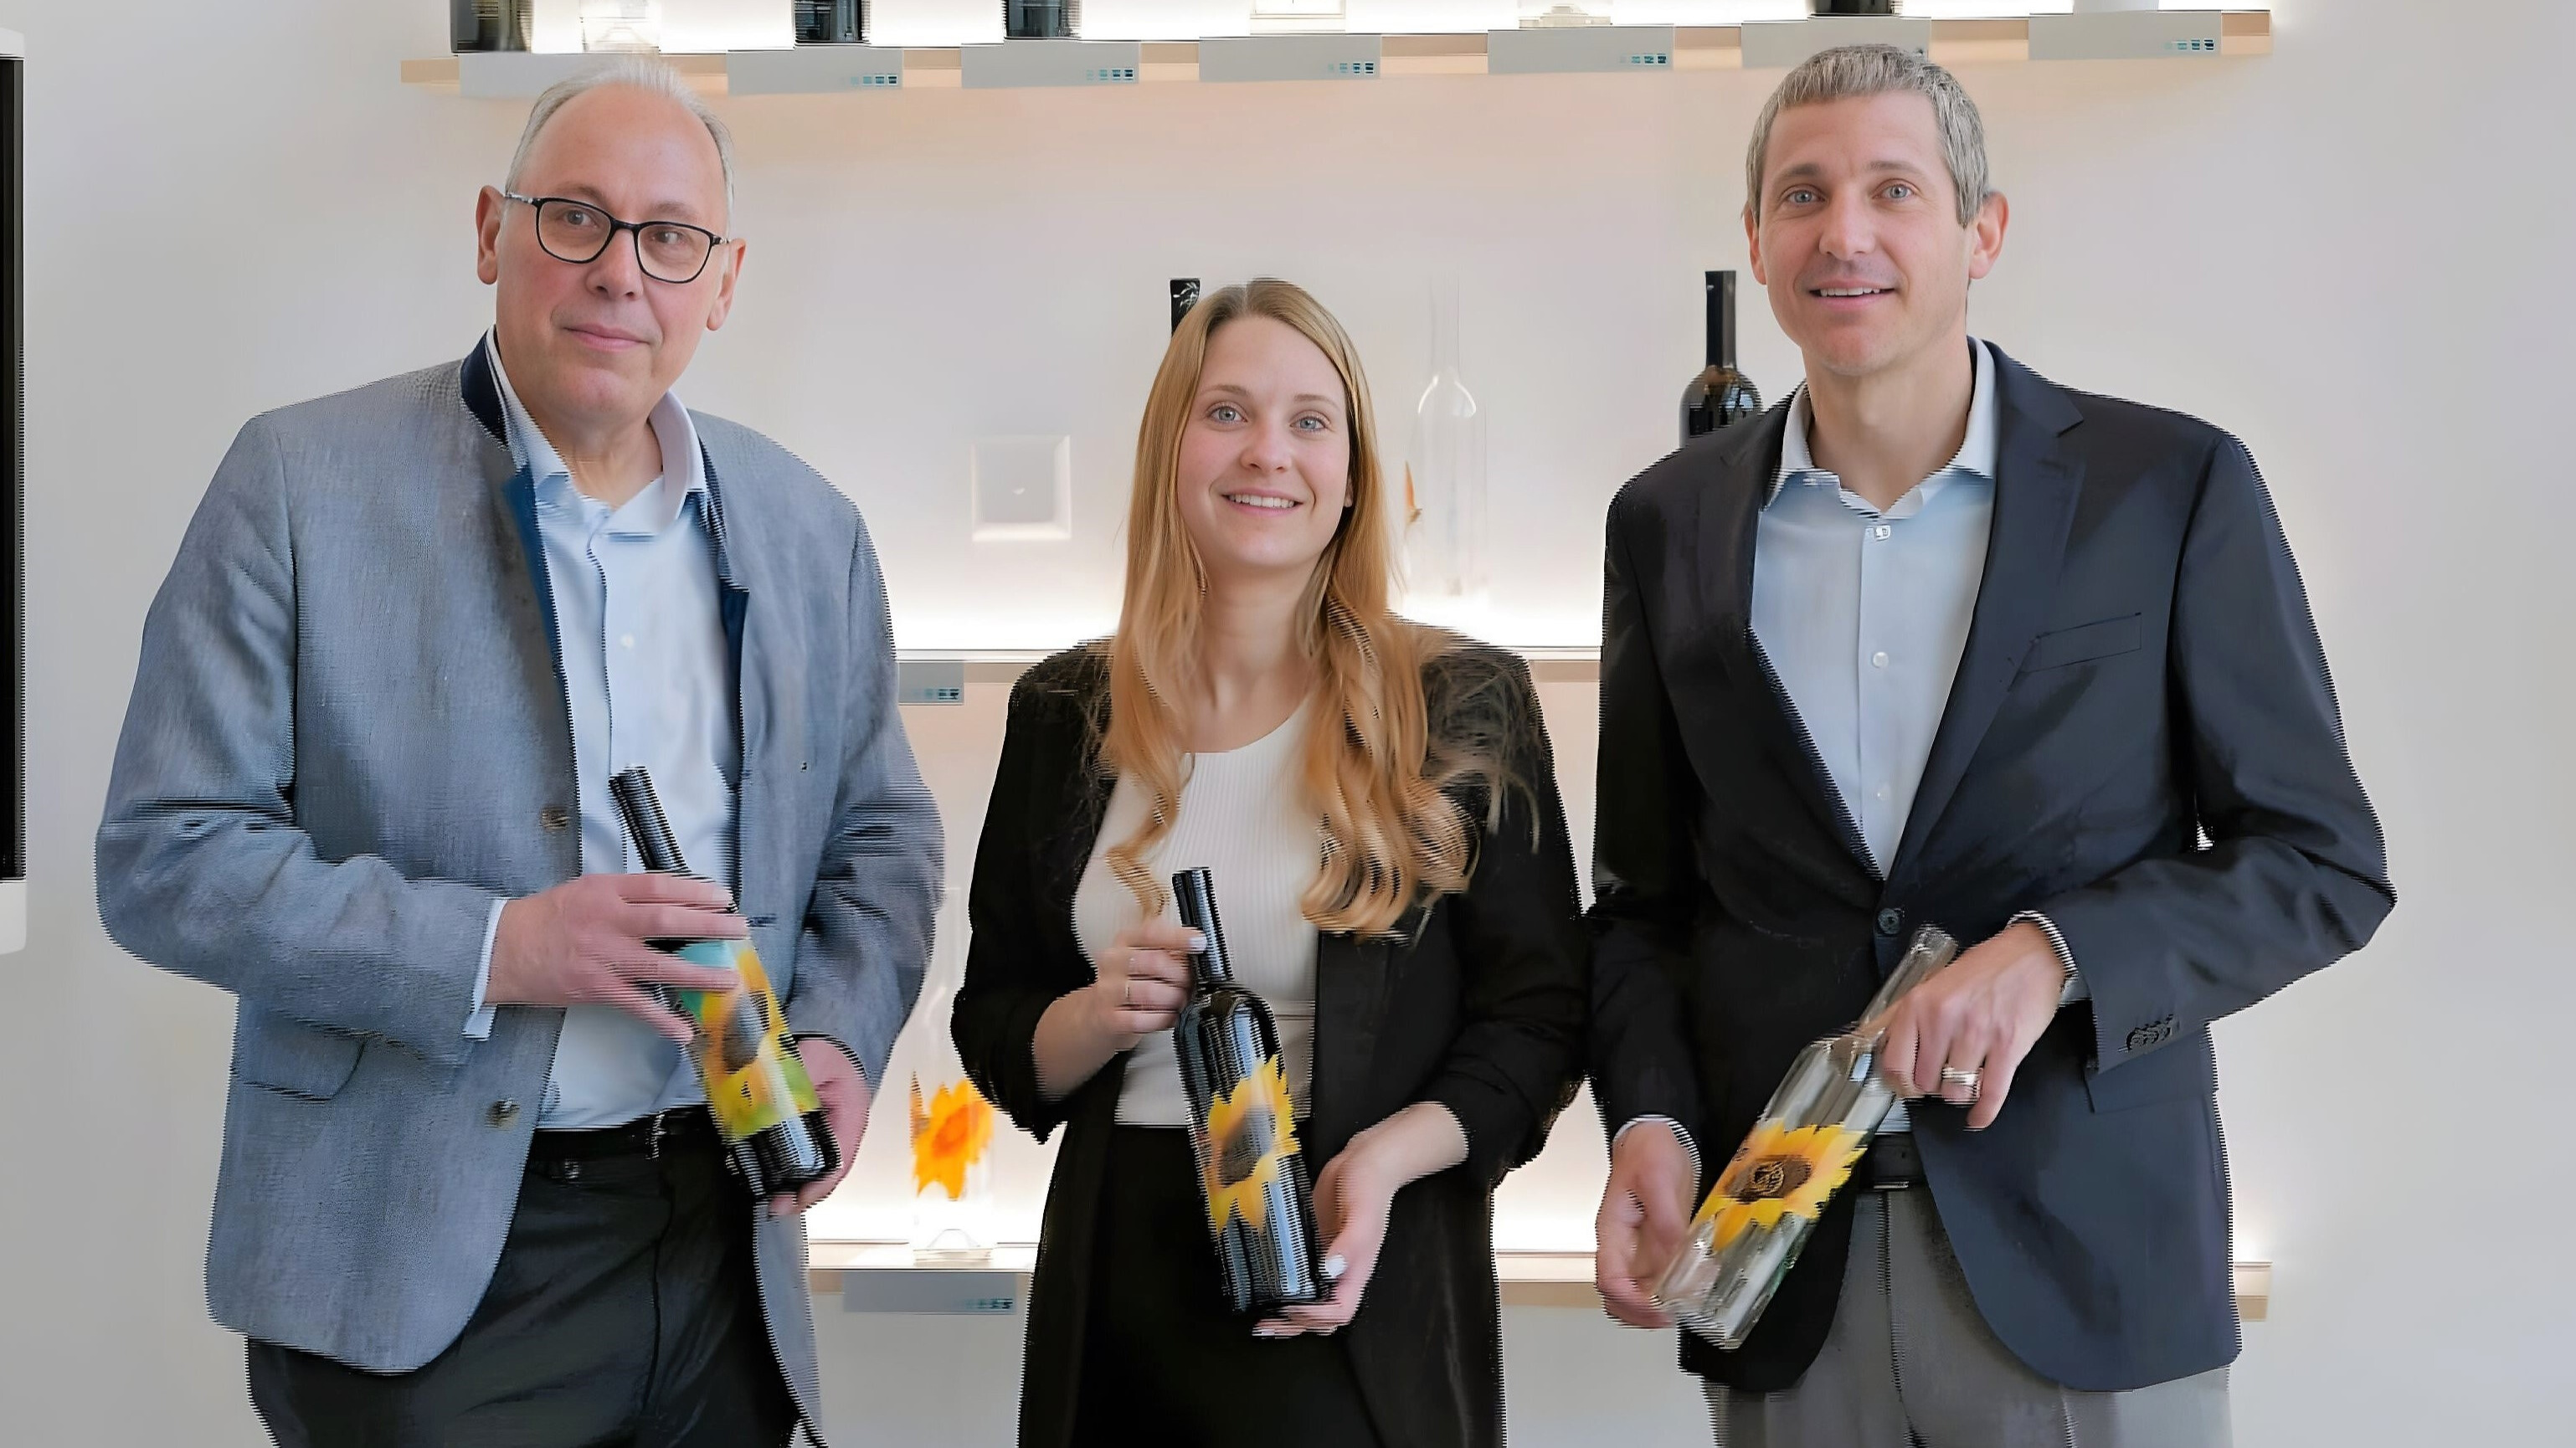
(608, 25)
(952, 1128)
(1758, 1214)
(1443, 508)
(1556, 14)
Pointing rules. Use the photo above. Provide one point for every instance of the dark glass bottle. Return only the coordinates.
(763, 1102)
(1185, 295)
(1720, 396)
(831, 22)
(1041, 19)
(1243, 1127)
(481, 25)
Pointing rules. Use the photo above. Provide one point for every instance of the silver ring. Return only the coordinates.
(1953, 1076)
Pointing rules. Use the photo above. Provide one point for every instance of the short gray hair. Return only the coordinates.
(1853, 72)
(635, 72)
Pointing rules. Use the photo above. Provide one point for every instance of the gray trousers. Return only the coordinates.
(1911, 1364)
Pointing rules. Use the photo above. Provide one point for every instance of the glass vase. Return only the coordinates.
(951, 1133)
(615, 25)
(1443, 506)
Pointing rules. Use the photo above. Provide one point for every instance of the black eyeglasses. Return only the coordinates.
(578, 232)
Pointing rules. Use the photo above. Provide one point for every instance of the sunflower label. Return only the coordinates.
(1251, 1133)
(1779, 1172)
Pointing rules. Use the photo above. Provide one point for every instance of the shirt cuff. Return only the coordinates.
(2074, 990)
(1679, 1135)
(478, 1024)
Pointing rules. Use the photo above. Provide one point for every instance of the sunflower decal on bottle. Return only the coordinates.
(1250, 1133)
(1779, 1173)
(949, 1135)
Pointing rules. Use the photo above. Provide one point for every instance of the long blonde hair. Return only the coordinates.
(1369, 764)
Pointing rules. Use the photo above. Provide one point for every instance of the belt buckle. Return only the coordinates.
(660, 1124)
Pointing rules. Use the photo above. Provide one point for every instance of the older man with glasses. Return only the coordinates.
(470, 1189)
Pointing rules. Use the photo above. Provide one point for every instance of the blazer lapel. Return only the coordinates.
(2037, 482)
(1729, 526)
(517, 490)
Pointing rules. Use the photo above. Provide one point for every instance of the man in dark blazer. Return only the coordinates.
(1939, 642)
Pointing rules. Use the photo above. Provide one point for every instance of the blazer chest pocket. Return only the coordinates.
(279, 1053)
(2084, 643)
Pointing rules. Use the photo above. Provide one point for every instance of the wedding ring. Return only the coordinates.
(1126, 993)
(1953, 1076)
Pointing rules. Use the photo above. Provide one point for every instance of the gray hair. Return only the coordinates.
(1852, 72)
(635, 72)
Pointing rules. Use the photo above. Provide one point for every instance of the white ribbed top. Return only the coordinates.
(1240, 814)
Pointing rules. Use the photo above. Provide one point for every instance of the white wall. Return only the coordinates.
(2348, 252)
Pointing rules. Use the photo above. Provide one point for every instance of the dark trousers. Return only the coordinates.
(1164, 1362)
(624, 1314)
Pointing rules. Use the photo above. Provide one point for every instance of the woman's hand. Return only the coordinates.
(1353, 1198)
(1144, 976)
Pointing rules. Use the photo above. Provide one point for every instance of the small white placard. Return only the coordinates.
(1558, 50)
(813, 69)
(2137, 35)
(1290, 57)
(1785, 44)
(1051, 62)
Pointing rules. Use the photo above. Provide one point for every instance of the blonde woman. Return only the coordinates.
(1378, 804)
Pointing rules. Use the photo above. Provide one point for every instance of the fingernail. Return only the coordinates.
(1334, 1266)
(1198, 942)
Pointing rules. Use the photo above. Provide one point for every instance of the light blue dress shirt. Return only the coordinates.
(648, 680)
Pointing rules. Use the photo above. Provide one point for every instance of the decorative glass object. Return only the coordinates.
(952, 1138)
(831, 22)
(485, 25)
(1298, 17)
(1721, 395)
(1556, 14)
(1747, 1234)
(1041, 19)
(1443, 507)
(610, 25)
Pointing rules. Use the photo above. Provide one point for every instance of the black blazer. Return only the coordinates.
(2141, 672)
(1479, 1007)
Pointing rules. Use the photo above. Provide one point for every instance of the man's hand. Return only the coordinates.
(1645, 1214)
(583, 943)
(1979, 1016)
(846, 1097)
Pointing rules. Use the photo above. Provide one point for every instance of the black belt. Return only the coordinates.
(1890, 1164)
(645, 1136)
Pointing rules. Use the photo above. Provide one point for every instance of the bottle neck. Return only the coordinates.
(1721, 319)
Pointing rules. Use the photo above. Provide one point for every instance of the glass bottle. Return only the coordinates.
(608, 25)
(1041, 19)
(1243, 1125)
(1443, 508)
(486, 25)
(1720, 396)
(951, 1132)
(1758, 1214)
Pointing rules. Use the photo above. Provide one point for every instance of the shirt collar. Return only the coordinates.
(546, 468)
(1977, 451)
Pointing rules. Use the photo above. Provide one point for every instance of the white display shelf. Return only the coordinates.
(884, 1277)
(1549, 665)
(2181, 35)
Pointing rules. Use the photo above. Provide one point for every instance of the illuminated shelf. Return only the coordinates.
(883, 1277)
(2185, 36)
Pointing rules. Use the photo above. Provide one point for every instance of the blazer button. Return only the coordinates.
(503, 1112)
(1891, 922)
(2142, 1038)
(555, 817)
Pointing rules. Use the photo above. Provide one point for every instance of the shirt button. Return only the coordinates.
(1878, 660)
(1882, 791)
(503, 1112)
(628, 641)
(1882, 532)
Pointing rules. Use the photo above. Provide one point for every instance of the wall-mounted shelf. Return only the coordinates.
(883, 1277)
(940, 676)
(1650, 49)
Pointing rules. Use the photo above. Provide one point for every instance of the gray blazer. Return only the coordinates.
(349, 737)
